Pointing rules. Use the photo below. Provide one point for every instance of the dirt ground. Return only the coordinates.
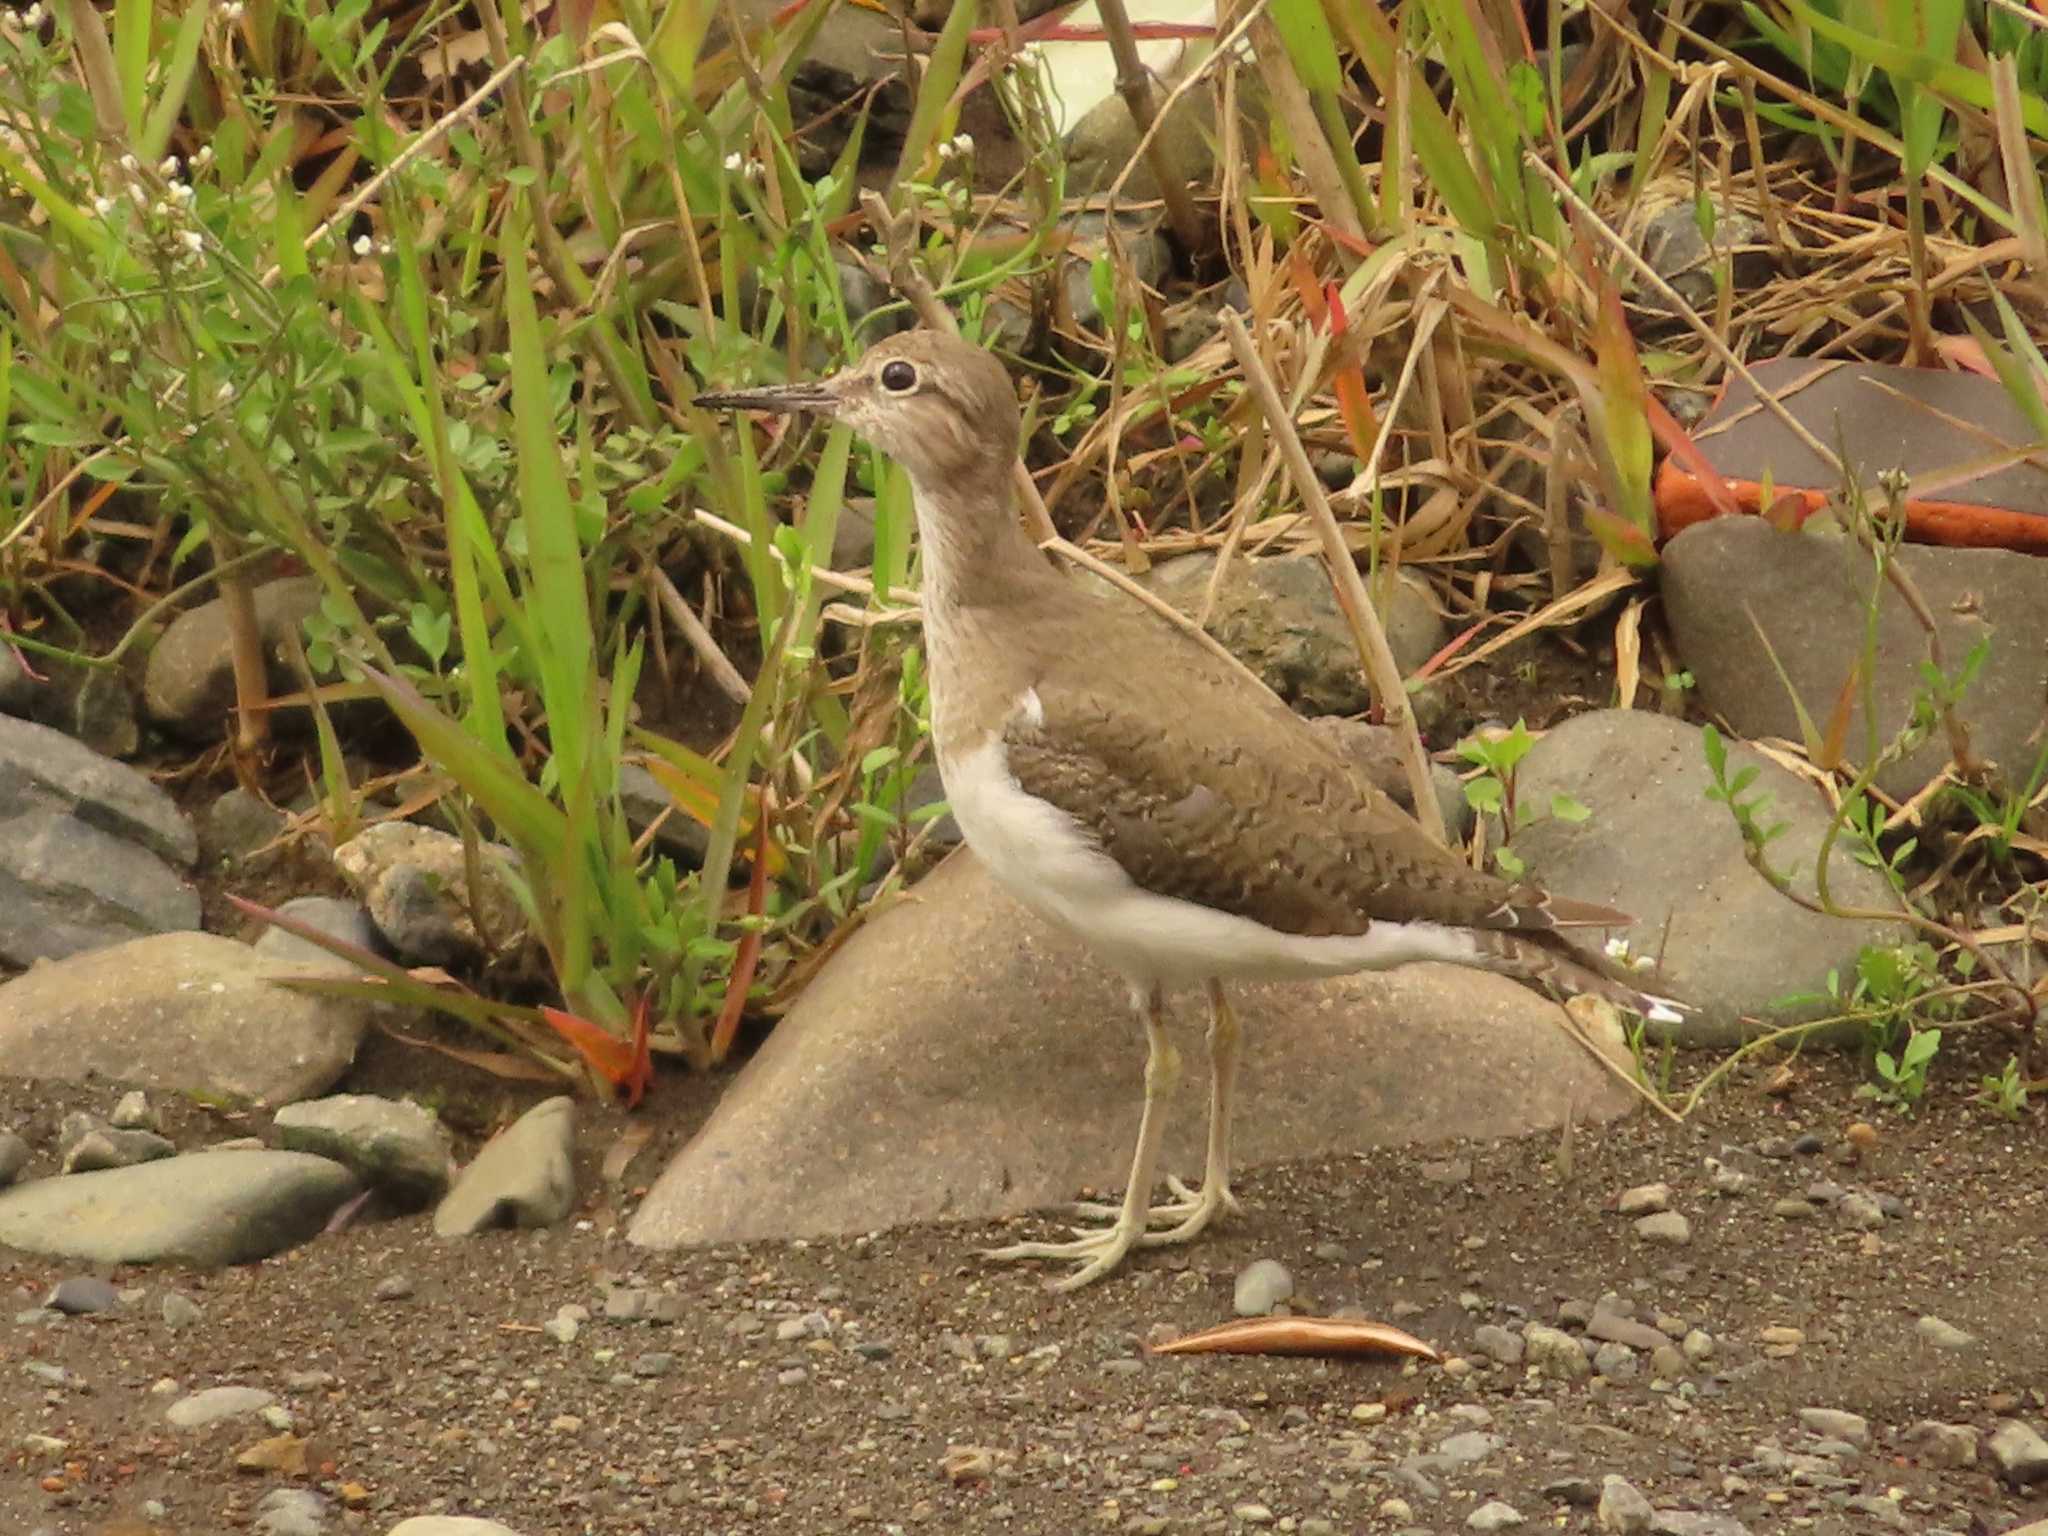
(946, 1394)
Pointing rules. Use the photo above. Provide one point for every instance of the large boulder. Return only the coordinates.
(91, 852)
(192, 1012)
(960, 1058)
(1655, 846)
(1732, 583)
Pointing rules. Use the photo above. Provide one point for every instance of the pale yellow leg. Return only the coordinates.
(1100, 1252)
(1191, 1211)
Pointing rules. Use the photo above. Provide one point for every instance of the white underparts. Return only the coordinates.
(1049, 862)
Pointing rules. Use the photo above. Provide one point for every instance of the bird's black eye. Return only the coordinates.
(898, 377)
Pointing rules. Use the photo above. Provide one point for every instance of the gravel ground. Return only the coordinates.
(895, 1383)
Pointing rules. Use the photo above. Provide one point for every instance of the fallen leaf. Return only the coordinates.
(285, 1454)
(619, 1156)
(1299, 1336)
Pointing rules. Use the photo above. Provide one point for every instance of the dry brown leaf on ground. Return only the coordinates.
(1299, 1336)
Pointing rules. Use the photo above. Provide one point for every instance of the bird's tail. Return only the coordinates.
(1550, 961)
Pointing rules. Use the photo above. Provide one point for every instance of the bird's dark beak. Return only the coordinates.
(773, 397)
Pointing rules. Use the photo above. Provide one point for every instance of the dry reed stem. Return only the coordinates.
(1381, 671)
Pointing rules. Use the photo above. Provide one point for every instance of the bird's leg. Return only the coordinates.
(1196, 1209)
(1192, 1210)
(1100, 1252)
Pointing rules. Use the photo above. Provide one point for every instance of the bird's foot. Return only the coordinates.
(1187, 1205)
(1096, 1253)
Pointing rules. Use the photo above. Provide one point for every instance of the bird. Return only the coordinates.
(1120, 779)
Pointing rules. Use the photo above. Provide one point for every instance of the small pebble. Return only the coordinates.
(77, 1294)
(1808, 1144)
(1943, 1335)
(656, 1362)
(1944, 1445)
(1793, 1210)
(1553, 1352)
(872, 1349)
(1261, 1286)
(1252, 1514)
(1698, 1345)
(1623, 1508)
(792, 1376)
(1665, 1227)
(1497, 1343)
(1668, 1361)
(1836, 1424)
(1859, 1213)
(1399, 1511)
(1644, 1200)
(1493, 1515)
(392, 1288)
(1615, 1362)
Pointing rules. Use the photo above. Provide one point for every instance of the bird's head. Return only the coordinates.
(941, 407)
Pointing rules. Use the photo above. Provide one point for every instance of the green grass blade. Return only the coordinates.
(177, 80)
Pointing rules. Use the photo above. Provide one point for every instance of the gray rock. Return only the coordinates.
(179, 1311)
(1808, 592)
(199, 1410)
(415, 882)
(189, 685)
(1675, 245)
(187, 1011)
(1836, 1424)
(1494, 1515)
(1944, 1445)
(1698, 1345)
(1605, 1324)
(1669, 1363)
(1013, 1052)
(2018, 1452)
(1943, 1335)
(394, 1146)
(103, 714)
(1884, 1510)
(14, 1154)
(647, 804)
(91, 852)
(1667, 1227)
(79, 1294)
(1794, 1209)
(450, 1525)
(344, 920)
(291, 1512)
(1497, 1343)
(1554, 1352)
(98, 1149)
(1280, 617)
(1623, 1508)
(1644, 1200)
(1859, 1213)
(1655, 846)
(18, 688)
(1466, 1449)
(522, 1178)
(205, 1208)
(133, 1113)
(1261, 1286)
(236, 825)
(1615, 1362)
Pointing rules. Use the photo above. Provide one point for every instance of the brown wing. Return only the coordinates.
(1206, 791)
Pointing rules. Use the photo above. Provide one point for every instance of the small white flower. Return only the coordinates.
(733, 163)
(383, 247)
(203, 155)
(231, 12)
(192, 240)
(137, 195)
(181, 193)
(161, 209)
(963, 144)
(103, 206)
(1617, 948)
(130, 164)
(362, 247)
(169, 168)
(225, 393)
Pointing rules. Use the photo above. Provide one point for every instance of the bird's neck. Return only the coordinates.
(976, 556)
